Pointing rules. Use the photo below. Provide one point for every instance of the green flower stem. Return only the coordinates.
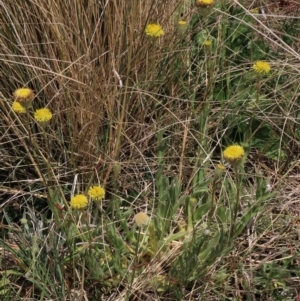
(237, 203)
(87, 222)
(190, 218)
(153, 239)
(251, 135)
(135, 264)
(46, 140)
(213, 201)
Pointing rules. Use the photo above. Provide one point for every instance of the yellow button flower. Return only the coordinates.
(221, 166)
(262, 67)
(43, 115)
(79, 201)
(219, 170)
(18, 108)
(96, 193)
(182, 26)
(205, 3)
(154, 30)
(207, 43)
(181, 22)
(23, 94)
(193, 203)
(141, 219)
(234, 154)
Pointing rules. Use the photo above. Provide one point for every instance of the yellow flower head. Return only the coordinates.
(207, 43)
(221, 167)
(182, 26)
(43, 115)
(141, 219)
(262, 67)
(96, 193)
(193, 203)
(205, 3)
(23, 94)
(219, 170)
(154, 30)
(234, 154)
(79, 201)
(18, 108)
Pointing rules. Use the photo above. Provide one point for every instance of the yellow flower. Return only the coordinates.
(262, 67)
(234, 154)
(79, 201)
(221, 167)
(18, 108)
(23, 94)
(207, 43)
(182, 26)
(154, 30)
(193, 203)
(96, 193)
(205, 3)
(43, 115)
(141, 219)
(219, 170)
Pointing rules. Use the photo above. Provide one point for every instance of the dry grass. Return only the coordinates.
(73, 62)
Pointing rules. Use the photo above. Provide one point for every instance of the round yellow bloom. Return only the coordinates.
(96, 193)
(182, 26)
(262, 67)
(207, 43)
(221, 167)
(205, 3)
(141, 219)
(154, 30)
(219, 170)
(193, 203)
(18, 108)
(234, 153)
(79, 201)
(43, 115)
(23, 94)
